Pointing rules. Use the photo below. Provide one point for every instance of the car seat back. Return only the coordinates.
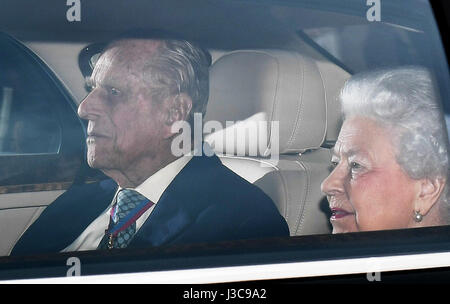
(280, 114)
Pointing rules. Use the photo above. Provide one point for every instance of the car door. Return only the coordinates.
(331, 32)
(41, 139)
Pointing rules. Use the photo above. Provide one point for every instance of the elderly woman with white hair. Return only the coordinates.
(390, 160)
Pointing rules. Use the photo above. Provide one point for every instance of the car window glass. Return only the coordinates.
(28, 124)
(373, 45)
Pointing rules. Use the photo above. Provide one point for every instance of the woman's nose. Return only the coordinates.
(334, 183)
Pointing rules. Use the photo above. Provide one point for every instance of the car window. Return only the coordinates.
(28, 122)
(40, 139)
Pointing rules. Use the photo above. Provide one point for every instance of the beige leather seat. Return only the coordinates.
(287, 160)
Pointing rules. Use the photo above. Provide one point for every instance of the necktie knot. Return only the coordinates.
(127, 201)
(130, 205)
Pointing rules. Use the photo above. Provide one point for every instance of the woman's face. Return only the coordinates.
(368, 190)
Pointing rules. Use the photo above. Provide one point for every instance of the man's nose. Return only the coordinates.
(334, 183)
(89, 108)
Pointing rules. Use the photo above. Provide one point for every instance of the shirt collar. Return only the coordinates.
(154, 186)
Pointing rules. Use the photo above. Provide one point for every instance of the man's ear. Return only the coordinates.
(430, 189)
(179, 107)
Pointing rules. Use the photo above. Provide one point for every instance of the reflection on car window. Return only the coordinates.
(357, 46)
(27, 122)
(447, 122)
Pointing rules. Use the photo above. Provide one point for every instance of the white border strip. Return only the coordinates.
(260, 272)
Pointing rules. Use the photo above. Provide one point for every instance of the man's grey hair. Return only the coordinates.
(404, 100)
(179, 67)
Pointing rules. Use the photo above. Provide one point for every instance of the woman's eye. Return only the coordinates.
(355, 169)
(333, 165)
(355, 165)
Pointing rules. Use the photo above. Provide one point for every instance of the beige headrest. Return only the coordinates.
(258, 87)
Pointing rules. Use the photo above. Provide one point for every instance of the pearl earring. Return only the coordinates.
(417, 216)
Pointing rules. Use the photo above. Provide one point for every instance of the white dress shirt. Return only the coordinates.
(152, 188)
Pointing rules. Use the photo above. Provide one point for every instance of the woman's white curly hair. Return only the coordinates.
(405, 101)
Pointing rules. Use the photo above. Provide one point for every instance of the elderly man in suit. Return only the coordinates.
(140, 88)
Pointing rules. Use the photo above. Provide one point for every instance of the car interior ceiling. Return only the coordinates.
(215, 23)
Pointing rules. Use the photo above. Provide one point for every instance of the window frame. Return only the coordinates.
(54, 164)
(296, 250)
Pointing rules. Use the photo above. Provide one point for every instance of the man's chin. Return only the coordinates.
(94, 162)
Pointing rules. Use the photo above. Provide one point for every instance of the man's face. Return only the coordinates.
(124, 122)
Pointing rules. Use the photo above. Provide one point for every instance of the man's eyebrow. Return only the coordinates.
(89, 82)
(353, 152)
(333, 152)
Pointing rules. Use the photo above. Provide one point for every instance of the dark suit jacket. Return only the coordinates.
(206, 202)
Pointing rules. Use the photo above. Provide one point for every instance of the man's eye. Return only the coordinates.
(89, 84)
(114, 91)
(89, 87)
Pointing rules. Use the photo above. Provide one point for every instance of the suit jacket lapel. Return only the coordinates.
(179, 205)
(66, 218)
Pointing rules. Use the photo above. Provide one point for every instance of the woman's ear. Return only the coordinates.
(430, 189)
(179, 107)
